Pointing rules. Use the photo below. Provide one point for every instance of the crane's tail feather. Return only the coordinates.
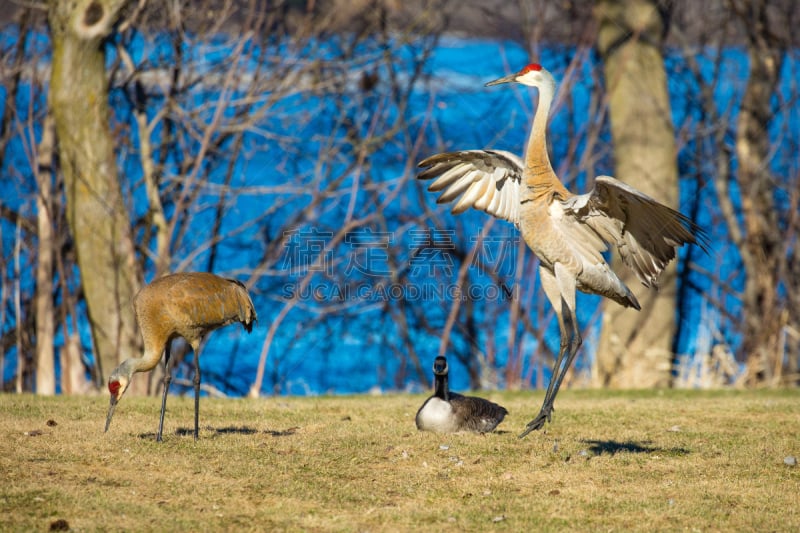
(247, 311)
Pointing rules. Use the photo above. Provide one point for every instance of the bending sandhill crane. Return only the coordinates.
(188, 305)
(567, 232)
(449, 412)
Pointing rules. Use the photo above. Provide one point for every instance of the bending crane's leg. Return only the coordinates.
(196, 350)
(167, 381)
(560, 290)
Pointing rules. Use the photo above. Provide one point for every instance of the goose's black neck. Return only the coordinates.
(441, 388)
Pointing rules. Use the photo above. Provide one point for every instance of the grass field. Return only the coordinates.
(611, 461)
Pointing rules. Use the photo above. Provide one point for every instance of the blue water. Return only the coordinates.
(335, 342)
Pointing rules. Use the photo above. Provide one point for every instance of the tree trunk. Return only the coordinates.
(96, 213)
(73, 380)
(45, 319)
(763, 244)
(635, 348)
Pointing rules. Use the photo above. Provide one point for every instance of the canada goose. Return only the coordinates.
(449, 412)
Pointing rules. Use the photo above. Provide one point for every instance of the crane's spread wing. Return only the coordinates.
(488, 180)
(645, 232)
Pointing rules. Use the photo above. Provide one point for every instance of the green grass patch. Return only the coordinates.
(624, 461)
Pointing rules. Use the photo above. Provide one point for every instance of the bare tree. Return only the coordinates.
(737, 146)
(96, 212)
(635, 348)
(45, 267)
(760, 242)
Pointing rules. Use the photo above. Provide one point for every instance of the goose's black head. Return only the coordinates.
(440, 366)
(440, 388)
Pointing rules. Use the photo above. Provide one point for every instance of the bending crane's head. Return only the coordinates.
(117, 385)
(533, 75)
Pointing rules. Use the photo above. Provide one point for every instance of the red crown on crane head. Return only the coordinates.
(528, 68)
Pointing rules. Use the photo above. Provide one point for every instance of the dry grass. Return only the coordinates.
(643, 461)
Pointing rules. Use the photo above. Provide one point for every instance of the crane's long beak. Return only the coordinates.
(110, 412)
(506, 79)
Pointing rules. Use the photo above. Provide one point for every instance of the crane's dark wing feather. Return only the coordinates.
(645, 232)
(489, 180)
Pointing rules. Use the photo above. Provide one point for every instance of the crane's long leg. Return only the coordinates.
(559, 371)
(167, 381)
(546, 412)
(196, 350)
(560, 290)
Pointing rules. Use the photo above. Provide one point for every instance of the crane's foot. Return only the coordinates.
(538, 423)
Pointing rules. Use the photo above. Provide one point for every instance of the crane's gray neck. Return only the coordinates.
(136, 364)
(126, 368)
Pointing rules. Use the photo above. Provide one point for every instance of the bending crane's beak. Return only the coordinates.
(110, 412)
(507, 79)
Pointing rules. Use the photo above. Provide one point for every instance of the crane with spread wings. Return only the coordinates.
(567, 232)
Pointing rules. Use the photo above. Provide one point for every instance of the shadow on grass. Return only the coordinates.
(237, 430)
(181, 432)
(282, 432)
(612, 447)
(251, 431)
